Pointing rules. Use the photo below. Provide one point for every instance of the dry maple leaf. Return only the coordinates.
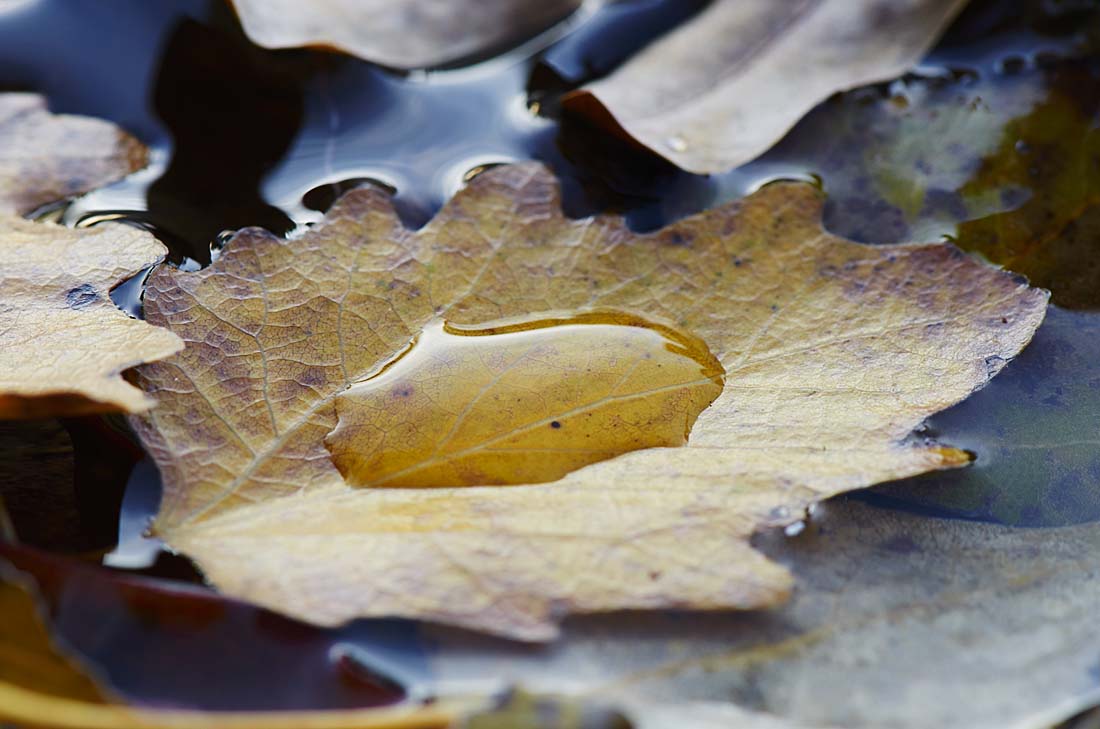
(709, 111)
(403, 34)
(832, 351)
(48, 157)
(63, 343)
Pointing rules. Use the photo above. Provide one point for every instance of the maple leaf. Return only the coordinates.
(404, 34)
(832, 352)
(48, 157)
(709, 111)
(63, 343)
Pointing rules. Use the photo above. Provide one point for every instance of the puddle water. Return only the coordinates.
(523, 401)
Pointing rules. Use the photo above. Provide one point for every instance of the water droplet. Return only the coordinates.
(793, 530)
(676, 144)
(522, 401)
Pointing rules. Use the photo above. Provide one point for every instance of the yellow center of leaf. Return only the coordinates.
(522, 401)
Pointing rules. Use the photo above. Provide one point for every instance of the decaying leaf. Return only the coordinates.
(402, 34)
(41, 685)
(719, 91)
(168, 643)
(29, 658)
(63, 343)
(833, 351)
(48, 157)
(899, 621)
(1007, 163)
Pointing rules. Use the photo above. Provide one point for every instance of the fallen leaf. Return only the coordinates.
(48, 157)
(29, 658)
(42, 685)
(900, 620)
(63, 343)
(403, 34)
(727, 85)
(833, 351)
(168, 643)
(1008, 164)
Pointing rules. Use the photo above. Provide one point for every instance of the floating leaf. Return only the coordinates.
(63, 343)
(833, 351)
(41, 685)
(723, 88)
(48, 157)
(899, 621)
(403, 34)
(29, 659)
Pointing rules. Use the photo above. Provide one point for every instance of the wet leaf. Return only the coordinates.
(403, 34)
(45, 158)
(723, 88)
(41, 685)
(168, 643)
(833, 352)
(63, 343)
(29, 657)
(1012, 160)
(899, 620)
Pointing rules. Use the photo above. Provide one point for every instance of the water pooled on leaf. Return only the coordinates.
(522, 401)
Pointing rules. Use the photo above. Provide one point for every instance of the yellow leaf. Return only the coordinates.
(48, 157)
(709, 110)
(403, 34)
(63, 343)
(833, 352)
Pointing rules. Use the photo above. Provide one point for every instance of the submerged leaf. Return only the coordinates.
(29, 657)
(899, 621)
(403, 34)
(1012, 160)
(48, 157)
(722, 89)
(63, 343)
(833, 352)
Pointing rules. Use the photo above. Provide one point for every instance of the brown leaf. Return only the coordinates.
(41, 685)
(403, 34)
(48, 157)
(63, 343)
(29, 658)
(833, 352)
(719, 91)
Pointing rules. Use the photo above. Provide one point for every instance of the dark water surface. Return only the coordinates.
(243, 136)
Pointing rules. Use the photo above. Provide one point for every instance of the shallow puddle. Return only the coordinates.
(522, 401)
